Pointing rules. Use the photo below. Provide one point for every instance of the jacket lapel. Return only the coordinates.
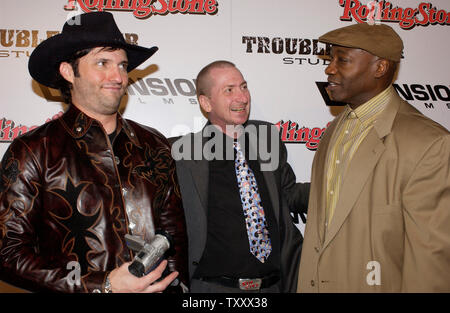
(361, 167)
(200, 170)
(269, 176)
(319, 177)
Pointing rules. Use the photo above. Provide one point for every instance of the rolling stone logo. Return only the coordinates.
(383, 11)
(146, 8)
(291, 132)
(10, 131)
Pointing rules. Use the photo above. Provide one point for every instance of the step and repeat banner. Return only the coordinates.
(273, 43)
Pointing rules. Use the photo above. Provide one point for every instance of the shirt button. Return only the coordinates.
(331, 192)
(312, 283)
(338, 161)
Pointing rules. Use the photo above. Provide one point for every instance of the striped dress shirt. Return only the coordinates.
(350, 132)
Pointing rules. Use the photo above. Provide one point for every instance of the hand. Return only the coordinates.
(123, 281)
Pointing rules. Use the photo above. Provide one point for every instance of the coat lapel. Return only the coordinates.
(269, 176)
(319, 177)
(361, 167)
(200, 170)
(273, 193)
(200, 176)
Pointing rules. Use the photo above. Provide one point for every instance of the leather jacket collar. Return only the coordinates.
(78, 124)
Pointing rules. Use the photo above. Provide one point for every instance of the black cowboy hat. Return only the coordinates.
(89, 30)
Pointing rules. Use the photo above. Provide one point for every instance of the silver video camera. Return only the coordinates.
(148, 254)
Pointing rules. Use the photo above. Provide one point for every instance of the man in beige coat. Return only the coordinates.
(379, 207)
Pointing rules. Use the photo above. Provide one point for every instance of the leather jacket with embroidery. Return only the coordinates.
(68, 197)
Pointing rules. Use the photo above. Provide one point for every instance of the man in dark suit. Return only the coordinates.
(237, 188)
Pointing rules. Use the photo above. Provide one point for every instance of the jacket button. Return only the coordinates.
(317, 249)
(312, 283)
(195, 263)
(116, 158)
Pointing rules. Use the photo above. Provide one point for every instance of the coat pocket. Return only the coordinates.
(387, 209)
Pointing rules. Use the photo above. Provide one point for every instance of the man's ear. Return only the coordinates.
(205, 103)
(383, 67)
(66, 71)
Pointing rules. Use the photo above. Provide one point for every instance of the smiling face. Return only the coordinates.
(228, 99)
(101, 82)
(352, 75)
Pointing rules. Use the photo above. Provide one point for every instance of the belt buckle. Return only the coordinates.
(250, 284)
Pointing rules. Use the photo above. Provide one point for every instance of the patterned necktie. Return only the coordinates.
(257, 232)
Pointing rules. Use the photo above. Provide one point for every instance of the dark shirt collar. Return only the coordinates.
(78, 124)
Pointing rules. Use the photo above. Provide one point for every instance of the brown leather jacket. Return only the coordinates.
(64, 196)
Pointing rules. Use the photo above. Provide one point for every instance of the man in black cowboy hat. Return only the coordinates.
(72, 189)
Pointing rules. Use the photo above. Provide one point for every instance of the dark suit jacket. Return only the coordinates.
(193, 174)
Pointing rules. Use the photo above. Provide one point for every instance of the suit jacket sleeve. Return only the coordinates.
(292, 195)
(172, 220)
(296, 194)
(426, 206)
